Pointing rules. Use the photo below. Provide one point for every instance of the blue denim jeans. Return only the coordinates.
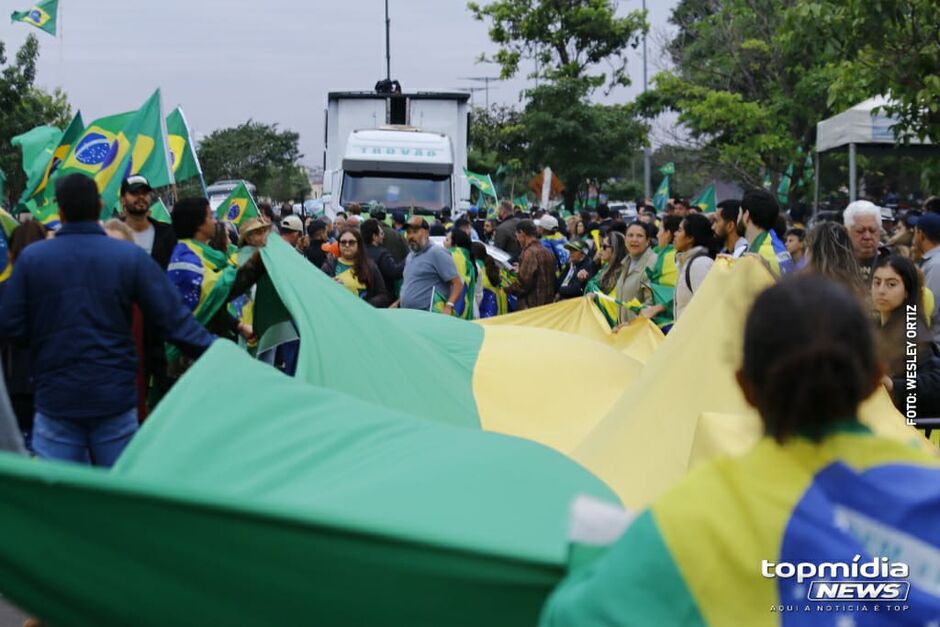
(98, 441)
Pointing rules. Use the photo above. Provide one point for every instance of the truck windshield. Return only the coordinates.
(396, 191)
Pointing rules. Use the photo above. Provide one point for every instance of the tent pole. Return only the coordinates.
(853, 180)
(816, 185)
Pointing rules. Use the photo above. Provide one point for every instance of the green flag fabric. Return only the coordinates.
(706, 199)
(39, 199)
(482, 182)
(238, 207)
(661, 197)
(159, 212)
(37, 145)
(140, 148)
(328, 511)
(42, 15)
(521, 201)
(182, 151)
(668, 170)
(783, 188)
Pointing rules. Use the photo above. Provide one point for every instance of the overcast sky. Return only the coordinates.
(269, 60)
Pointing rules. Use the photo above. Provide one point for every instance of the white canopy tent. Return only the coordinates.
(861, 125)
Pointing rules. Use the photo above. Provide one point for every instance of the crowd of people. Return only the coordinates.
(648, 265)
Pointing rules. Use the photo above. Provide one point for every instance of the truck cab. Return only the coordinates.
(404, 151)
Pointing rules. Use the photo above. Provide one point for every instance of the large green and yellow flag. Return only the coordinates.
(42, 15)
(182, 151)
(37, 146)
(139, 148)
(159, 212)
(238, 207)
(445, 369)
(362, 515)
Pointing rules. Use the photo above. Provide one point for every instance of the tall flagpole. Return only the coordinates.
(647, 180)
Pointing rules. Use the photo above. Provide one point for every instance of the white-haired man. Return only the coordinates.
(863, 221)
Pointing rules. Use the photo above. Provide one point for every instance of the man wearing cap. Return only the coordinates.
(863, 221)
(572, 279)
(535, 283)
(927, 244)
(428, 269)
(552, 240)
(292, 230)
(156, 238)
(70, 299)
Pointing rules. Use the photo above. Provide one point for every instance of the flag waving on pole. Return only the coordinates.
(706, 200)
(662, 195)
(42, 15)
(238, 207)
(482, 182)
(182, 151)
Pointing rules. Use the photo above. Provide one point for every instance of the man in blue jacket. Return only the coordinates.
(70, 299)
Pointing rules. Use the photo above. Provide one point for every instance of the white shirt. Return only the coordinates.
(144, 239)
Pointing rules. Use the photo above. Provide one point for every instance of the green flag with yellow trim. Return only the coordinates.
(482, 182)
(706, 199)
(42, 15)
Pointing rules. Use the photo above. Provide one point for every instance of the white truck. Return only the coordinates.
(403, 151)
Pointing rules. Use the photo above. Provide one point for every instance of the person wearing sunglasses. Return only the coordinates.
(355, 271)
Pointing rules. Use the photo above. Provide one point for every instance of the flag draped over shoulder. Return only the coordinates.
(203, 275)
(238, 207)
(774, 252)
(43, 15)
(787, 503)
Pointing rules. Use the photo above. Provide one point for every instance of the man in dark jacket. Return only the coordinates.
(577, 272)
(70, 299)
(159, 240)
(505, 237)
(373, 235)
(318, 237)
(394, 241)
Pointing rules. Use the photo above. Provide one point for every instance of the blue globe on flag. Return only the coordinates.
(93, 149)
(233, 211)
(35, 15)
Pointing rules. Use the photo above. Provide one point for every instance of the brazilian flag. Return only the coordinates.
(706, 200)
(238, 207)
(182, 151)
(42, 15)
(482, 182)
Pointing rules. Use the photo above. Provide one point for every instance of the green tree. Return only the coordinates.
(582, 141)
(570, 40)
(890, 47)
(747, 85)
(24, 106)
(498, 146)
(286, 183)
(260, 153)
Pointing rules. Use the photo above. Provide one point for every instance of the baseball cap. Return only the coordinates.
(547, 222)
(930, 225)
(292, 223)
(135, 183)
(576, 245)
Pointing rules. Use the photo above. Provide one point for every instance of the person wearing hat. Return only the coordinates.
(157, 238)
(572, 284)
(254, 232)
(927, 245)
(429, 271)
(292, 230)
(547, 227)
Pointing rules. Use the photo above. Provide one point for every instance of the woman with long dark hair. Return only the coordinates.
(903, 336)
(611, 255)
(818, 484)
(355, 271)
(829, 252)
